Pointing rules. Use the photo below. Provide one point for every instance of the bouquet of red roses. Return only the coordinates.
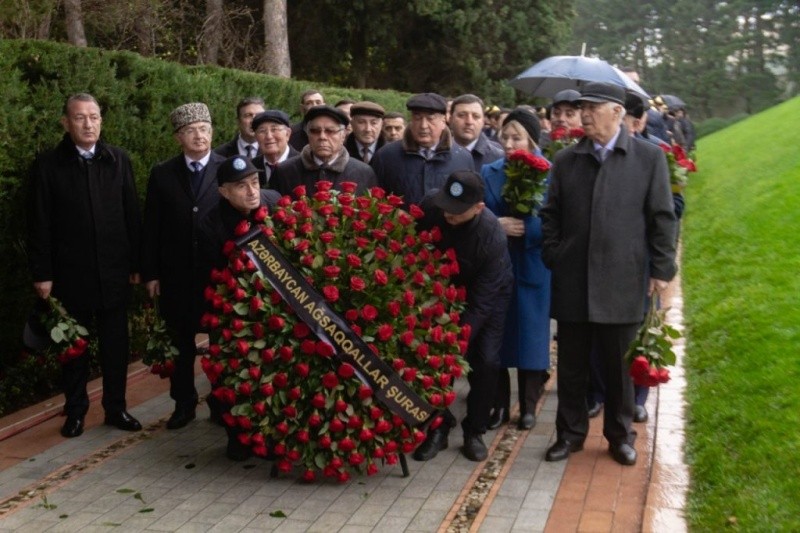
(525, 183)
(651, 351)
(160, 352)
(679, 166)
(69, 338)
(290, 393)
(561, 138)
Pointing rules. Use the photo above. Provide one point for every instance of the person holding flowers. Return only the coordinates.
(83, 248)
(484, 269)
(526, 340)
(609, 240)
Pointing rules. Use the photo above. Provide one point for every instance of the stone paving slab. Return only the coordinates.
(185, 483)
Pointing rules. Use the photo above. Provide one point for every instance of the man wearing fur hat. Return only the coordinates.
(180, 193)
(324, 158)
(426, 155)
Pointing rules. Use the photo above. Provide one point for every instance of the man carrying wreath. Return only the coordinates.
(485, 272)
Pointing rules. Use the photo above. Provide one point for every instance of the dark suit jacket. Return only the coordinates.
(607, 229)
(170, 247)
(84, 225)
(228, 149)
(264, 174)
(351, 146)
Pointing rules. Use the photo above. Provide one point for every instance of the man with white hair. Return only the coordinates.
(609, 240)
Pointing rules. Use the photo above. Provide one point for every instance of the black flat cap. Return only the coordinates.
(527, 120)
(570, 96)
(367, 108)
(635, 105)
(326, 111)
(271, 115)
(427, 102)
(462, 190)
(235, 169)
(602, 92)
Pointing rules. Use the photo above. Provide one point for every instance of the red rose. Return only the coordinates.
(330, 380)
(336, 425)
(267, 389)
(327, 237)
(280, 380)
(241, 228)
(330, 292)
(324, 349)
(385, 332)
(340, 406)
(276, 322)
(346, 371)
(398, 364)
(302, 369)
(314, 420)
(294, 394)
(331, 271)
(260, 408)
(357, 284)
(299, 191)
(267, 355)
(301, 330)
(242, 347)
(393, 307)
(369, 312)
(346, 444)
(380, 277)
(364, 392)
(254, 372)
(290, 411)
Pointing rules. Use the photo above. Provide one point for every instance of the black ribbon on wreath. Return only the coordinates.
(387, 386)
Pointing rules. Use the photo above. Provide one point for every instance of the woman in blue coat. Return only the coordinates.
(526, 342)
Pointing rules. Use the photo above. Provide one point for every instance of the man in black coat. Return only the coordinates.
(426, 155)
(180, 193)
(241, 197)
(366, 120)
(83, 248)
(466, 123)
(272, 132)
(244, 143)
(324, 158)
(485, 271)
(609, 241)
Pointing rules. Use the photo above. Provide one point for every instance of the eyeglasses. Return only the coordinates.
(191, 130)
(326, 131)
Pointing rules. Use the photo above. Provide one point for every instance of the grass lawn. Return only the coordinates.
(741, 277)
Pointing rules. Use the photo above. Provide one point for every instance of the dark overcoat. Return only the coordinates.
(526, 341)
(84, 225)
(303, 170)
(351, 146)
(486, 152)
(403, 171)
(170, 248)
(607, 229)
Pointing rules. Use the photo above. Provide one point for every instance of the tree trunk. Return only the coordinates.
(143, 28)
(276, 60)
(212, 33)
(75, 33)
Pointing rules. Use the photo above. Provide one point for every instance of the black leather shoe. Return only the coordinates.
(180, 418)
(561, 450)
(236, 451)
(595, 409)
(526, 421)
(623, 453)
(498, 417)
(474, 449)
(640, 414)
(436, 441)
(123, 420)
(72, 427)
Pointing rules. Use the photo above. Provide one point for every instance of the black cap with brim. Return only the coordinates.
(235, 169)
(463, 189)
(602, 92)
(432, 102)
(271, 115)
(568, 96)
(326, 111)
(635, 105)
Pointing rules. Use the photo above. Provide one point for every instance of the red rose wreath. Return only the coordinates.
(288, 392)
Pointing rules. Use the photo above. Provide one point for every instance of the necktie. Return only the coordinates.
(251, 152)
(365, 154)
(602, 153)
(87, 155)
(197, 176)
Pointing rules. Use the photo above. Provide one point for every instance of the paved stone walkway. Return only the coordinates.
(159, 480)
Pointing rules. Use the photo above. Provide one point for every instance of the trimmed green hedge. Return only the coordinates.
(136, 95)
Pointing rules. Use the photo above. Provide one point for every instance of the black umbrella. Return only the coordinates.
(672, 101)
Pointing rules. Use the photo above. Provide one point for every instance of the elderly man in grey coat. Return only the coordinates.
(609, 239)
